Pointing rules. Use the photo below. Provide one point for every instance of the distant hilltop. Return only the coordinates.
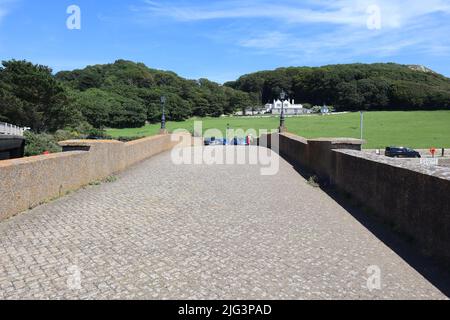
(418, 67)
(351, 87)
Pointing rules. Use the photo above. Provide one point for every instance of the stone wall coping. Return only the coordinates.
(339, 140)
(86, 143)
(40, 158)
(435, 171)
(295, 137)
(150, 138)
(331, 140)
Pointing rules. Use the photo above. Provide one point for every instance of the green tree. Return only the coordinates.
(33, 97)
(96, 106)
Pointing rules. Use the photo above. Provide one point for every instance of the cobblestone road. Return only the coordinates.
(198, 232)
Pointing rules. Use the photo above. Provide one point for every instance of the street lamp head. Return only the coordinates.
(283, 95)
(163, 99)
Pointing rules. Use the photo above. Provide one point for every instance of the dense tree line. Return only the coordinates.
(122, 94)
(352, 87)
(127, 94)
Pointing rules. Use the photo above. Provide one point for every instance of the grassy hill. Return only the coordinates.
(126, 94)
(381, 86)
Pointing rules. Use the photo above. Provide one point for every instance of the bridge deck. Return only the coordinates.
(173, 232)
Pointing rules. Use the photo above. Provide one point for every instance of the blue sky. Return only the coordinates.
(222, 40)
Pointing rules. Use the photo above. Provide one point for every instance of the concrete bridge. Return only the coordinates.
(12, 142)
(166, 231)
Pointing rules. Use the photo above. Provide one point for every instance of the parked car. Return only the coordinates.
(213, 141)
(401, 152)
(217, 142)
(238, 142)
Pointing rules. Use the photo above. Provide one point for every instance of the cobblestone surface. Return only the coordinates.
(198, 232)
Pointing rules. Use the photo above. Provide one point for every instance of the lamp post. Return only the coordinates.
(361, 120)
(163, 118)
(282, 117)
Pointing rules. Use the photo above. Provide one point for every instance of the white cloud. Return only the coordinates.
(2, 13)
(337, 29)
(345, 12)
(250, 9)
(5, 6)
(271, 40)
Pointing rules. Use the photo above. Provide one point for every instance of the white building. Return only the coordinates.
(325, 110)
(290, 108)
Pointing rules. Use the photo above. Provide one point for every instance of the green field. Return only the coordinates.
(416, 129)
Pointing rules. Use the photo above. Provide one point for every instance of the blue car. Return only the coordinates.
(213, 141)
(239, 142)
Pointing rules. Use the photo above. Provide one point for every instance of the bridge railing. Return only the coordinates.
(10, 129)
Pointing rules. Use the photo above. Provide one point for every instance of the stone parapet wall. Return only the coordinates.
(411, 198)
(28, 182)
(312, 154)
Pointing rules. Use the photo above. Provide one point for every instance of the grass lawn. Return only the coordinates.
(416, 129)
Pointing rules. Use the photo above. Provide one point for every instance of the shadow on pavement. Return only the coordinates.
(426, 266)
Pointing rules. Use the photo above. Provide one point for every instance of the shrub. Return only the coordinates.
(62, 135)
(37, 144)
(83, 128)
(316, 109)
(98, 134)
(314, 181)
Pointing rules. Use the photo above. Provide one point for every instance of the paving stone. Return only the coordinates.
(165, 231)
